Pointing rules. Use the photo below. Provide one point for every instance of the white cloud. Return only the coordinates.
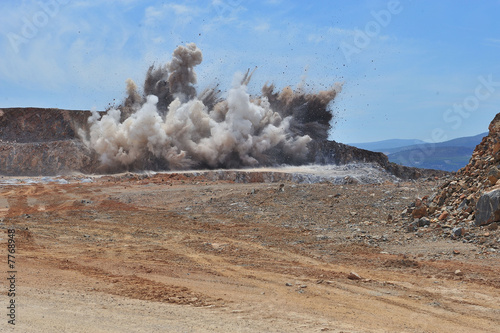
(315, 38)
(262, 27)
(70, 50)
(227, 11)
(180, 9)
(179, 15)
(152, 14)
(492, 41)
(158, 40)
(341, 32)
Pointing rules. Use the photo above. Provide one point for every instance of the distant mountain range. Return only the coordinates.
(383, 146)
(450, 155)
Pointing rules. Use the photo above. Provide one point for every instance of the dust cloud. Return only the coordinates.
(169, 126)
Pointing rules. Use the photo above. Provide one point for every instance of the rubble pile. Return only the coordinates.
(467, 206)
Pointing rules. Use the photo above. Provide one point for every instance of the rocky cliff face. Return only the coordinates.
(36, 141)
(27, 125)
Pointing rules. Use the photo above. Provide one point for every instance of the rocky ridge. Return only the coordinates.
(467, 206)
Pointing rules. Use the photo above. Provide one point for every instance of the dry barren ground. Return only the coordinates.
(171, 253)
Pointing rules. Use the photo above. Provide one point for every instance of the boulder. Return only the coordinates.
(493, 175)
(354, 276)
(458, 231)
(423, 222)
(419, 212)
(444, 215)
(488, 208)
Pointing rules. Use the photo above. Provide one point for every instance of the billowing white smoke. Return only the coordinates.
(235, 132)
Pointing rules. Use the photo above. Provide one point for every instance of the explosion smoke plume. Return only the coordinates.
(169, 126)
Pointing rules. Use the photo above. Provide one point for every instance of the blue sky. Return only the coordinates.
(426, 69)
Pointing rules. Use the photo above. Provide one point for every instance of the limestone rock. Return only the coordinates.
(488, 208)
(422, 222)
(354, 276)
(444, 216)
(493, 175)
(419, 212)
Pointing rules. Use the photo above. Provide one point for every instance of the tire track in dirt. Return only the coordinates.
(134, 286)
(266, 275)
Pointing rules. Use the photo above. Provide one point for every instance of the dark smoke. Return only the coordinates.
(169, 126)
(310, 113)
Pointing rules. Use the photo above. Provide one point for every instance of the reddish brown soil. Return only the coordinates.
(179, 254)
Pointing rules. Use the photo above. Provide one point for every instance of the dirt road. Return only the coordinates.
(172, 253)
